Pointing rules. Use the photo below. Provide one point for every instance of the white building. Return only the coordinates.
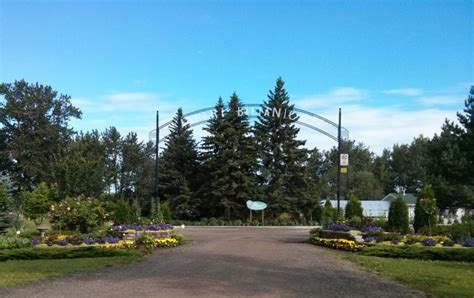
(379, 209)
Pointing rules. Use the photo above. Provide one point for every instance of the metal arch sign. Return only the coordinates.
(256, 205)
(253, 110)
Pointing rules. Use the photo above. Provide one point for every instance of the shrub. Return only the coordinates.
(37, 203)
(166, 212)
(353, 208)
(122, 212)
(315, 232)
(426, 212)
(421, 252)
(398, 216)
(328, 214)
(78, 214)
(5, 219)
(388, 237)
(355, 221)
(14, 242)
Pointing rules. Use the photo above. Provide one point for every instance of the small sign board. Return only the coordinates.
(344, 170)
(256, 205)
(344, 160)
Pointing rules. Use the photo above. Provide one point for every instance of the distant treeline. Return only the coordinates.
(233, 163)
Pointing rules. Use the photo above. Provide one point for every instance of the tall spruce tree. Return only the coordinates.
(230, 160)
(280, 154)
(178, 168)
(212, 155)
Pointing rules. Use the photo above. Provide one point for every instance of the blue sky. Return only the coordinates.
(396, 68)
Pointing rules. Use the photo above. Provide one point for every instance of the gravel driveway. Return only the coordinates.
(241, 261)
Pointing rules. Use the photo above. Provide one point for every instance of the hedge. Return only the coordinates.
(422, 253)
(63, 253)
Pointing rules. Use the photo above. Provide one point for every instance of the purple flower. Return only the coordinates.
(370, 238)
(108, 239)
(395, 241)
(89, 240)
(35, 241)
(428, 242)
(62, 242)
(468, 242)
(338, 227)
(368, 229)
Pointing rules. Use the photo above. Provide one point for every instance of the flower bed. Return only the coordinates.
(342, 244)
(125, 236)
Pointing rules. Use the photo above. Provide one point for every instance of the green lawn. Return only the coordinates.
(437, 278)
(21, 271)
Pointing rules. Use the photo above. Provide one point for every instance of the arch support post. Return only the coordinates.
(338, 194)
(157, 153)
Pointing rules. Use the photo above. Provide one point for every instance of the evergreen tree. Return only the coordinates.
(231, 160)
(353, 208)
(328, 215)
(398, 216)
(280, 154)
(178, 168)
(5, 220)
(240, 155)
(214, 163)
(426, 212)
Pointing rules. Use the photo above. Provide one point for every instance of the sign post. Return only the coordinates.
(256, 205)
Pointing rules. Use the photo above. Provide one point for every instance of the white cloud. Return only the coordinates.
(335, 96)
(404, 91)
(440, 100)
(382, 127)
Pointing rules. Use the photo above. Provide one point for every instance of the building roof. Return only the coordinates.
(409, 198)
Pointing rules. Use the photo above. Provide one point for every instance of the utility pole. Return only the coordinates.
(339, 165)
(158, 207)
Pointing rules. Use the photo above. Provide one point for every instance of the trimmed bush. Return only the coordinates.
(328, 214)
(353, 208)
(398, 216)
(63, 253)
(426, 212)
(422, 253)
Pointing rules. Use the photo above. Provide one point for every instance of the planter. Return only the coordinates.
(132, 235)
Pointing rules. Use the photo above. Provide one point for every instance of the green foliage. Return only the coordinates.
(329, 213)
(82, 170)
(79, 214)
(13, 242)
(456, 231)
(166, 212)
(38, 202)
(398, 216)
(178, 169)
(426, 212)
(123, 212)
(230, 159)
(5, 219)
(422, 253)
(280, 153)
(34, 123)
(63, 253)
(353, 208)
